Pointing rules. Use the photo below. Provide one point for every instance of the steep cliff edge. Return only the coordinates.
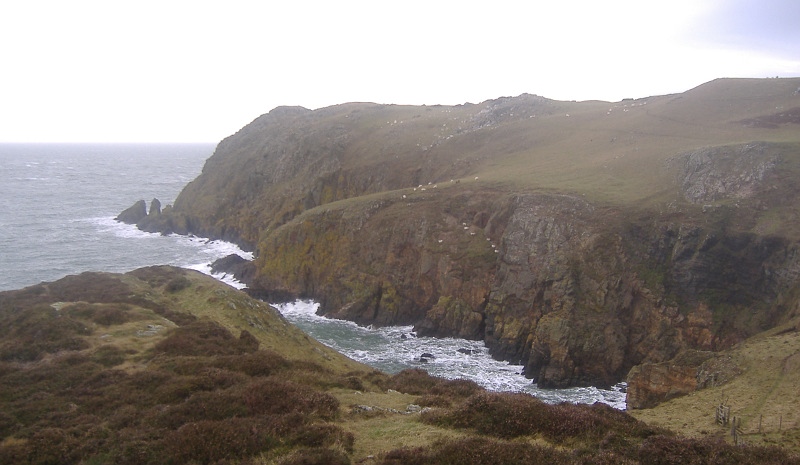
(578, 238)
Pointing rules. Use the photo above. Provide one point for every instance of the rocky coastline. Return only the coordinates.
(579, 284)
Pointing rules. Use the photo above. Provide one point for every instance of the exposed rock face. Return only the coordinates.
(134, 213)
(586, 252)
(650, 384)
(715, 173)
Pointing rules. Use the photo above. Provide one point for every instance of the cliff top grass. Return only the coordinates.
(620, 154)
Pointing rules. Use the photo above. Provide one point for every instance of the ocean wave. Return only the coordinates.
(196, 253)
(394, 348)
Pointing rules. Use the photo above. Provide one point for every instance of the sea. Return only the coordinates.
(57, 209)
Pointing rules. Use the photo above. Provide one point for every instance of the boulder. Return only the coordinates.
(133, 214)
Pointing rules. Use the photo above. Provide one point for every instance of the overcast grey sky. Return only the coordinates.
(184, 71)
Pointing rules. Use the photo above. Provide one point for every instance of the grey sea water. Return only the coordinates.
(57, 209)
(58, 203)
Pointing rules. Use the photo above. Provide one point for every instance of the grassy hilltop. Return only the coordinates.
(168, 366)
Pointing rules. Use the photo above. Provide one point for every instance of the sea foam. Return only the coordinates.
(395, 348)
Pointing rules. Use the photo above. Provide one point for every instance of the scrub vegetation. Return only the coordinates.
(167, 366)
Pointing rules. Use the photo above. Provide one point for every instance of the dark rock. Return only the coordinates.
(228, 264)
(133, 214)
(466, 351)
(427, 355)
(155, 207)
(233, 264)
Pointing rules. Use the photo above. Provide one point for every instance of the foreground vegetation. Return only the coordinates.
(163, 365)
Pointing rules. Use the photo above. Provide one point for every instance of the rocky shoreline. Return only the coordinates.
(580, 283)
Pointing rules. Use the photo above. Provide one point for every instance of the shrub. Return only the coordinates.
(668, 450)
(460, 388)
(41, 330)
(200, 338)
(213, 441)
(203, 405)
(108, 316)
(316, 456)
(7, 424)
(102, 314)
(412, 381)
(504, 415)
(177, 283)
(109, 356)
(259, 363)
(446, 392)
(89, 287)
(273, 396)
(51, 446)
(477, 451)
(509, 415)
(157, 276)
(323, 435)
(247, 342)
(433, 401)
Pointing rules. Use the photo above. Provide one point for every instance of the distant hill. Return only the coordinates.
(167, 366)
(578, 238)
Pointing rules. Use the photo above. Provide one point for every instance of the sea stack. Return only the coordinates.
(155, 207)
(134, 213)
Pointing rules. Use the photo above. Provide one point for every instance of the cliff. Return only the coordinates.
(578, 238)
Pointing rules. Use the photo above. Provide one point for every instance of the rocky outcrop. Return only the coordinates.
(730, 172)
(240, 268)
(579, 246)
(650, 384)
(155, 207)
(134, 213)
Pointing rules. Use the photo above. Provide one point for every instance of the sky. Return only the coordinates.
(197, 71)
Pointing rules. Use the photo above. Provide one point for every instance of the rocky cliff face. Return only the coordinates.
(580, 239)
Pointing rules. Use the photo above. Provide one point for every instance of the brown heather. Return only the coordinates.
(108, 378)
